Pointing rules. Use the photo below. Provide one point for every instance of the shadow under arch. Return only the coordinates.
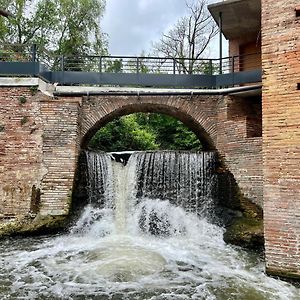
(185, 118)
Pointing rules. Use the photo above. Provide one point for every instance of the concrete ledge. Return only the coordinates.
(94, 90)
(44, 87)
(19, 81)
(53, 89)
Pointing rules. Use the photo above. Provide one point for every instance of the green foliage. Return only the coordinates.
(33, 90)
(114, 66)
(22, 99)
(206, 67)
(63, 27)
(2, 128)
(170, 133)
(143, 131)
(124, 134)
(24, 120)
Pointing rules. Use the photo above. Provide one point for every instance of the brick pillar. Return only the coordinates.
(21, 131)
(60, 151)
(239, 147)
(281, 136)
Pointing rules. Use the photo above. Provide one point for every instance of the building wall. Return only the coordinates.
(249, 52)
(281, 136)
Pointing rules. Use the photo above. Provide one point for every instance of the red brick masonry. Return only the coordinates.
(281, 135)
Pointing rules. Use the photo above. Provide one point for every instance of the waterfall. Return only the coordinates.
(185, 179)
(146, 187)
(144, 234)
(99, 174)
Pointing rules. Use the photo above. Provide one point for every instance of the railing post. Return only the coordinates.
(137, 65)
(174, 66)
(210, 67)
(33, 52)
(232, 65)
(62, 63)
(100, 64)
(220, 41)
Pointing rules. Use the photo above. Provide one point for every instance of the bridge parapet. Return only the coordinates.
(129, 70)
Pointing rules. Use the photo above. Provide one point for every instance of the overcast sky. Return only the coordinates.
(132, 25)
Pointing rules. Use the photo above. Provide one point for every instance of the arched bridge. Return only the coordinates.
(42, 135)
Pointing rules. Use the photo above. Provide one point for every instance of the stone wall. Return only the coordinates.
(281, 136)
(60, 151)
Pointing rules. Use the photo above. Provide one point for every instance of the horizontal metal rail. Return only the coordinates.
(28, 60)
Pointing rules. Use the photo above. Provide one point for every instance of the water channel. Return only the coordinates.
(146, 232)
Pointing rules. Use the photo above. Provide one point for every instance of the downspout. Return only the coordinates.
(220, 42)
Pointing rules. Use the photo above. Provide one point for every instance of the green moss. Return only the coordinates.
(33, 90)
(2, 128)
(245, 232)
(293, 275)
(33, 226)
(22, 99)
(24, 120)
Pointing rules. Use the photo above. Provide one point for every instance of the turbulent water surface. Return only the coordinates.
(135, 245)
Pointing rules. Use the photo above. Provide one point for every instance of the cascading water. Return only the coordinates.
(144, 234)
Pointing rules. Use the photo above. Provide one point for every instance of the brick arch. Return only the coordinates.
(197, 113)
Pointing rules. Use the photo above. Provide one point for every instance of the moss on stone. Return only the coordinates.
(33, 226)
(242, 218)
(245, 232)
(290, 276)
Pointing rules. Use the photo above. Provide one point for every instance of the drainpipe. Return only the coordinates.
(220, 41)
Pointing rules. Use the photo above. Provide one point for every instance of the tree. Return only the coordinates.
(189, 38)
(170, 133)
(124, 133)
(145, 131)
(63, 27)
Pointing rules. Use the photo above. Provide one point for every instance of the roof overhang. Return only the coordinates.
(240, 18)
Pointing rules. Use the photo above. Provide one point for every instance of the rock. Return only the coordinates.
(30, 225)
(245, 232)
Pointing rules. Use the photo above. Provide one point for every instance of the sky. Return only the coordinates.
(133, 25)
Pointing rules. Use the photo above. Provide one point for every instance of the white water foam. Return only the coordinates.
(135, 248)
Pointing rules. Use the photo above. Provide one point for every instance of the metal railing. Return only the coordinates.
(18, 52)
(39, 59)
(128, 64)
(157, 65)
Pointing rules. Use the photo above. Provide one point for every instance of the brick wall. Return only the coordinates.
(281, 136)
(38, 152)
(60, 150)
(39, 156)
(249, 50)
(20, 149)
(242, 153)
